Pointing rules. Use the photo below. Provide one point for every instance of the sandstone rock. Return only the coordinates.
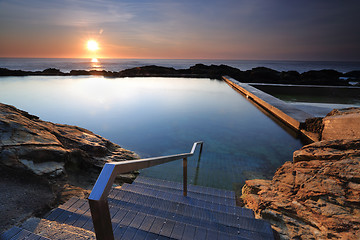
(26, 142)
(315, 197)
(342, 124)
(328, 150)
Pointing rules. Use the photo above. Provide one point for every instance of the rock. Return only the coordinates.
(315, 197)
(313, 125)
(45, 148)
(255, 75)
(322, 77)
(328, 150)
(290, 77)
(342, 124)
(264, 75)
(52, 71)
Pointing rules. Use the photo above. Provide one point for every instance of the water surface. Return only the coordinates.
(161, 116)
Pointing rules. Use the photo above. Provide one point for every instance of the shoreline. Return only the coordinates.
(326, 77)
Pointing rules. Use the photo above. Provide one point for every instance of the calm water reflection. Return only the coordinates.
(161, 116)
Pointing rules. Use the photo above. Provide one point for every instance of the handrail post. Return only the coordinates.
(101, 218)
(201, 148)
(99, 206)
(185, 176)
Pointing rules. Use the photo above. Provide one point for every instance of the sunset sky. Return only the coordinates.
(186, 29)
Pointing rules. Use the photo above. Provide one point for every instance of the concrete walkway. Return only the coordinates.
(285, 112)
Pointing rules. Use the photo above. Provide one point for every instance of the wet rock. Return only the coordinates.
(45, 148)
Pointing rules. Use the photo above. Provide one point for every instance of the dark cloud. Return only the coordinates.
(314, 30)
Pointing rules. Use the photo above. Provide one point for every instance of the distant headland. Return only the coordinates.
(256, 75)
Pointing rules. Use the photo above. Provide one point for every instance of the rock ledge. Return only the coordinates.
(317, 196)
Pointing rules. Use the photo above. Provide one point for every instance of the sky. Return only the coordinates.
(326, 30)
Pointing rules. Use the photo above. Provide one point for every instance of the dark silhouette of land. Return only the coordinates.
(255, 75)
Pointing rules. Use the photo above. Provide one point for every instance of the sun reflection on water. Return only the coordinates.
(95, 64)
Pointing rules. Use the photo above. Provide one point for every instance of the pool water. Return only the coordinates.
(162, 116)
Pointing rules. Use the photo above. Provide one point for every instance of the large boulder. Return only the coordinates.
(45, 148)
(314, 197)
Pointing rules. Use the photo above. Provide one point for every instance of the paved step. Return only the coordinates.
(191, 194)
(20, 233)
(129, 224)
(238, 211)
(55, 230)
(152, 209)
(200, 216)
(191, 188)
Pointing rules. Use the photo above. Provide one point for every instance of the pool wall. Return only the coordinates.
(291, 116)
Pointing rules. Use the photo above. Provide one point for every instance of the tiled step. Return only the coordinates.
(55, 230)
(129, 224)
(200, 216)
(191, 188)
(238, 211)
(153, 209)
(18, 233)
(191, 194)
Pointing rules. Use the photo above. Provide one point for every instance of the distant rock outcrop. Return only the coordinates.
(255, 75)
(45, 148)
(317, 196)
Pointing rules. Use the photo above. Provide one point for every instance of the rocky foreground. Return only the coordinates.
(43, 164)
(317, 195)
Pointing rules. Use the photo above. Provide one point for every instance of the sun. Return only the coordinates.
(92, 45)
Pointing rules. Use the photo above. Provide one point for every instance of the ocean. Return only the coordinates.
(68, 64)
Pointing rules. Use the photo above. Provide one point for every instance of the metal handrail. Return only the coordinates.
(99, 206)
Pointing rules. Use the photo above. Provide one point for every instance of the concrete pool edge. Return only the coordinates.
(288, 114)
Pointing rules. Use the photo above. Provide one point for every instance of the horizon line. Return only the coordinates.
(206, 59)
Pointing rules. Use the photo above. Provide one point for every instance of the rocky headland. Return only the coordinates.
(43, 164)
(317, 195)
(255, 75)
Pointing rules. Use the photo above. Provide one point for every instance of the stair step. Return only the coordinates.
(241, 212)
(187, 213)
(55, 230)
(191, 188)
(129, 223)
(152, 209)
(191, 194)
(20, 233)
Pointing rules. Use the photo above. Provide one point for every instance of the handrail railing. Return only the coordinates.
(99, 206)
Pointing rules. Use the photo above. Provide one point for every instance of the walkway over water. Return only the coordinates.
(287, 113)
(284, 111)
(155, 209)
